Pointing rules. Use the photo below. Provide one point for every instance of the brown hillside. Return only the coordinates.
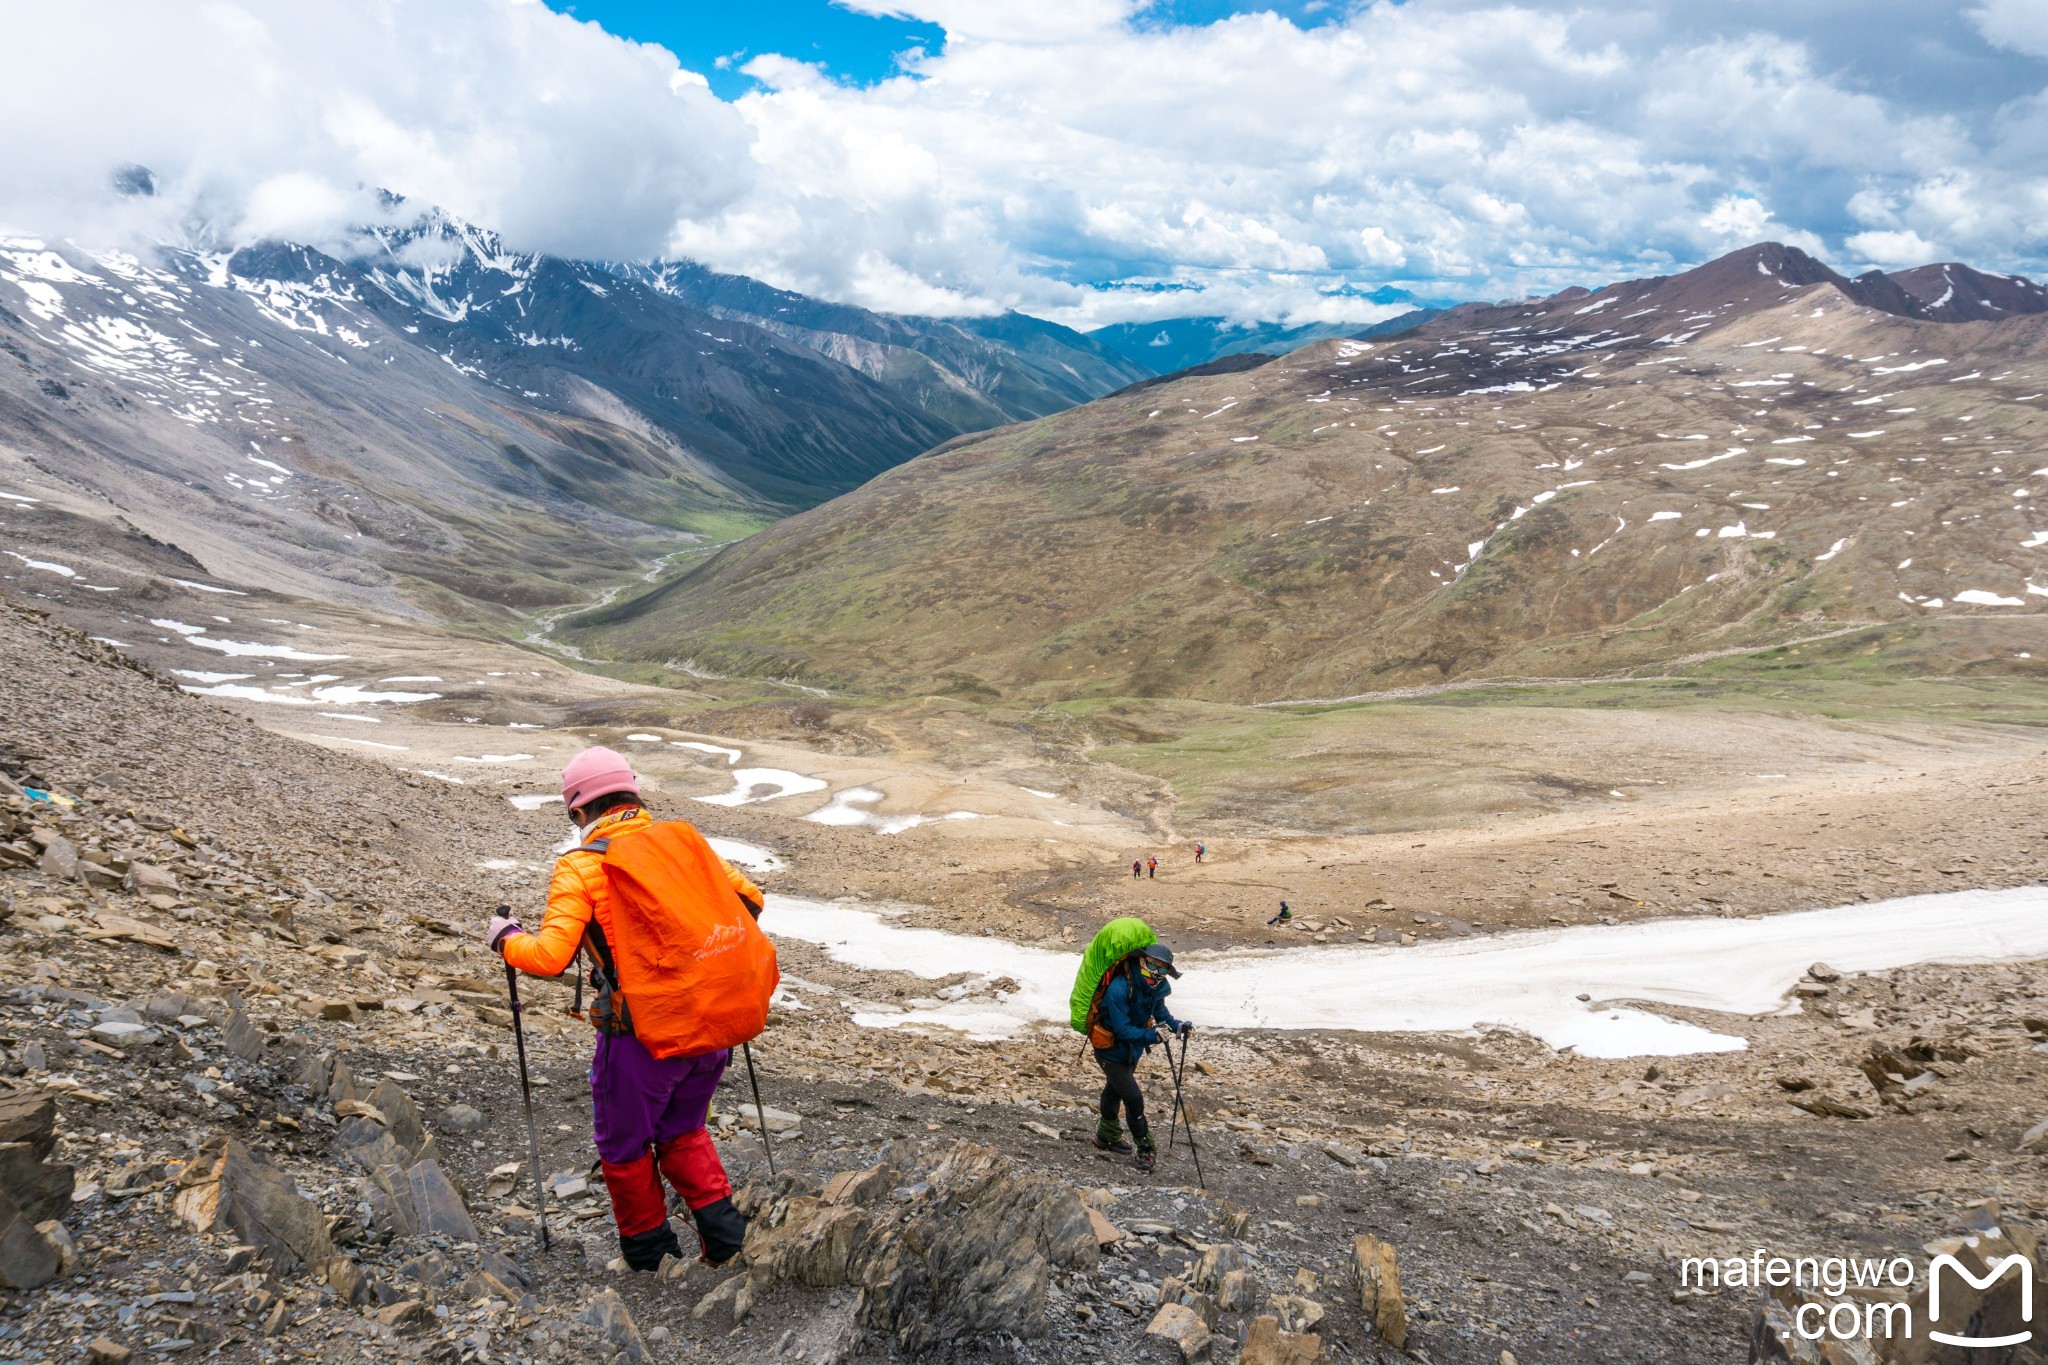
(1732, 458)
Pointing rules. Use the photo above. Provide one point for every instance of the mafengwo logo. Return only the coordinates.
(1994, 1272)
(1862, 1299)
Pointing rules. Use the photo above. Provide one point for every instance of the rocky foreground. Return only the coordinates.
(257, 1099)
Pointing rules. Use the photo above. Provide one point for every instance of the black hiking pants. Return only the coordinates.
(1120, 1088)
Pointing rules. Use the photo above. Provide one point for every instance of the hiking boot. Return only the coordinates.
(1148, 1155)
(644, 1250)
(1111, 1139)
(722, 1230)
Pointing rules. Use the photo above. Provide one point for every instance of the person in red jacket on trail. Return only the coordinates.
(648, 1112)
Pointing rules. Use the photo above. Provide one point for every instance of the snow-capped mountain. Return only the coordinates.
(1952, 292)
(435, 408)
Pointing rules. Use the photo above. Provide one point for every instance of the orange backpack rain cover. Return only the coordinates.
(695, 970)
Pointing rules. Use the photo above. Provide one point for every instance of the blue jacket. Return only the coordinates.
(1131, 1012)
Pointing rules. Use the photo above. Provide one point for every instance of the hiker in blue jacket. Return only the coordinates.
(1134, 1011)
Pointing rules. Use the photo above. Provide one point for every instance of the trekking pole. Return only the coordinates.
(1173, 1120)
(1180, 1106)
(759, 1111)
(540, 1211)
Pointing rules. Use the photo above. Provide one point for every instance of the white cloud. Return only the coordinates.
(1458, 147)
(1738, 220)
(1466, 148)
(2021, 25)
(278, 115)
(1893, 250)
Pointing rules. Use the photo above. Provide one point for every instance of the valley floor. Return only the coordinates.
(329, 859)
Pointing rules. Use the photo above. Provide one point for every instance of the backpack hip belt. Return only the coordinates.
(609, 1013)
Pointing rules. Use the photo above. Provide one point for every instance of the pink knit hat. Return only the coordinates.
(597, 771)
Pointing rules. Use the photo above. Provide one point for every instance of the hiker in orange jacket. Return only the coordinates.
(648, 1113)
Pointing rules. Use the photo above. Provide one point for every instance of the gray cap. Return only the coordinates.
(1163, 957)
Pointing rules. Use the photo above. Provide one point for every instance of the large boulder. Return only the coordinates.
(420, 1198)
(38, 1187)
(30, 1116)
(607, 1313)
(1266, 1344)
(230, 1185)
(1182, 1326)
(243, 1036)
(970, 1256)
(28, 1259)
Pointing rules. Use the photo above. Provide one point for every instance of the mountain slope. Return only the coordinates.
(1731, 458)
(438, 421)
(778, 421)
(1956, 293)
(282, 433)
(968, 372)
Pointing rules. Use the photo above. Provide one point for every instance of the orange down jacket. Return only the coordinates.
(578, 891)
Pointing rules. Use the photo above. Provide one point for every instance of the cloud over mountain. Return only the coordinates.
(275, 117)
(1091, 161)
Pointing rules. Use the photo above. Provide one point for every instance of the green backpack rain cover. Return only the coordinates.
(1112, 943)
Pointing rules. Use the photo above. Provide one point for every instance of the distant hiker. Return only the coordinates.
(1151, 867)
(1137, 868)
(1281, 918)
(1200, 850)
(682, 974)
(1119, 1001)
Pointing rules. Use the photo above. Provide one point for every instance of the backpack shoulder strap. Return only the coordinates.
(607, 975)
(1101, 990)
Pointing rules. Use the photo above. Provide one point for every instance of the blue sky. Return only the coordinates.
(715, 38)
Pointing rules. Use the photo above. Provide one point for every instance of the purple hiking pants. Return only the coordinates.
(639, 1101)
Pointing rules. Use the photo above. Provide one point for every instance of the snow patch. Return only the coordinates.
(1529, 982)
(242, 692)
(731, 755)
(749, 781)
(844, 809)
(752, 857)
(43, 565)
(352, 693)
